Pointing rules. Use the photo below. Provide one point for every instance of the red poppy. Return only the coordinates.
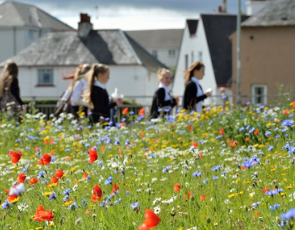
(85, 176)
(21, 178)
(54, 179)
(115, 188)
(12, 197)
(247, 139)
(264, 190)
(41, 214)
(203, 197)
(96, 193)
(188, 196)
(151, 220)
(121, 153)
(286, 112)
(15, 156)
(233, 144)
(177, 187)
(221, 131)
(33, 181)
(189, 128)
(125, 111)
(59, 173)
(256, 131)
(45, 160)
(93, 155)
(195, 144)
(141, 112)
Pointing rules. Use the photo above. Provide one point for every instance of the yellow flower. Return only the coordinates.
(240, 193)
(46, 193)
(68, 203)
(38, 228)
(52, 185)
(272, 170)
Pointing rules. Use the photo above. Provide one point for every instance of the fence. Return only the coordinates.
(270, 100)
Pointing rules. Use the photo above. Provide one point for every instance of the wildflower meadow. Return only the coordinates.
(228, 168)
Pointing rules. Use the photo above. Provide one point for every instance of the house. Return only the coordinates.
(43, 64)
(162, 44)
(267, 52)
(21, 25)
(207, 40)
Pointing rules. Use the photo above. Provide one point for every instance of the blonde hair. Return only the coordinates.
(10, 72)
(95, 70)
(162, 72)
(81, 72)
(189, 73)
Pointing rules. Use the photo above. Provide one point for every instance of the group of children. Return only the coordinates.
(88, 91)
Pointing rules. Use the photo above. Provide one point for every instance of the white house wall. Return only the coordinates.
(193, 47)
(163, 55)
(15, 39)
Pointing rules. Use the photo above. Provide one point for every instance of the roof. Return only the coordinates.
(275, 13)
(192, 26)
(20, 14)
(65, 48)
(218, 28)
(157, 38)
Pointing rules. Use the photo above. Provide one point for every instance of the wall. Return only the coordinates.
(267, 57)
(15, 39)
(195, 45)
(163, 55)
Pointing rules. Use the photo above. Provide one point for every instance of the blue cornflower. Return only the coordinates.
(41, 174)
(287, 123)
(216, 168)
(289, 214)
(197, 174)
(66, 197)
(83, 202)
(276, 206)
(252, 130)
(166, 169)
(215, 177)
(267, 133)
(25, 169)
(67, 191)
(254, 205)
(109, 180)
(241, 129)
(117, 201)
(52, 196)
(5, 204)
(135, 206)
(270, 148)
(205, 181)
(100, 163)
(127, 142)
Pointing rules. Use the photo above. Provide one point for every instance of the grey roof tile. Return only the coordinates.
(20, 14)
(275, 13)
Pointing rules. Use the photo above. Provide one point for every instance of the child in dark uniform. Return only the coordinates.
(162, 98)
(193, 94)
(96, 96)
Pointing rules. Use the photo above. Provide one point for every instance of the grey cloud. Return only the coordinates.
(183, 6)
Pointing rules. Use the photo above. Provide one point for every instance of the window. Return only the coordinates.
(259, 94)
(155, 53)
(171, 53)
(200, 56)
(45, 77)
(186, 61)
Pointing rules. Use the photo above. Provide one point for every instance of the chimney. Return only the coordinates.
(224, 6)
(219, 9)
(84, 26)
(254, 6)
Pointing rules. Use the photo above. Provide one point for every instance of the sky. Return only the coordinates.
(132, 14)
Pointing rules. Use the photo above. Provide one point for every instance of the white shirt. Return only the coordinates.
(199, 105)
(79, 89)
(99, 84)
(167, 95)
